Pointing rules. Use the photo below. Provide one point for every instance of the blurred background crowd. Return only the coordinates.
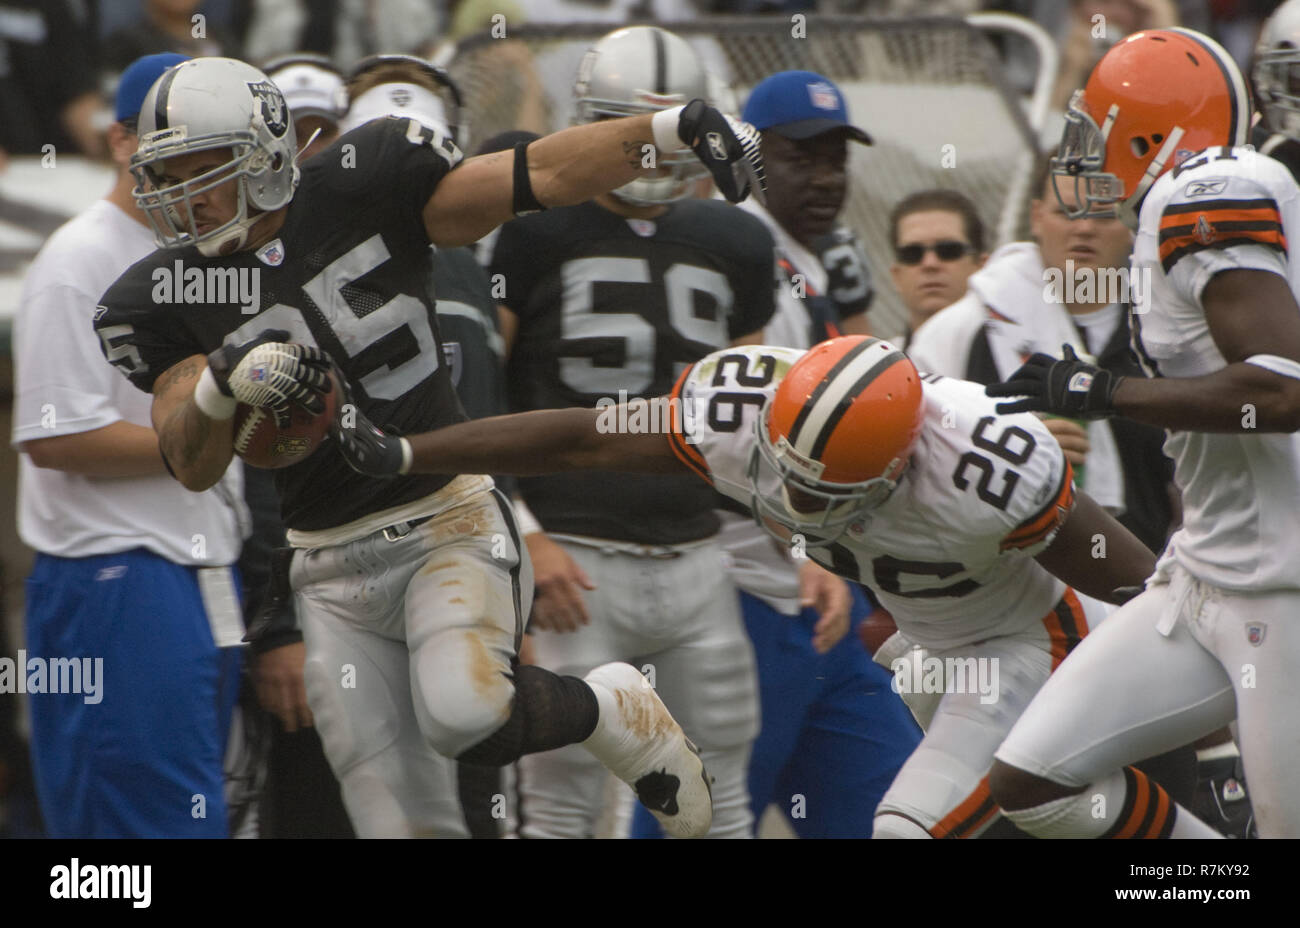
(60, 59)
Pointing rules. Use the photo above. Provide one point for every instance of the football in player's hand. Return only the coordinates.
(262, 443)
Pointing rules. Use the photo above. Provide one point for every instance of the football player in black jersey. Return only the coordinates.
(1276, 76)
(411, 592)
(610, 299)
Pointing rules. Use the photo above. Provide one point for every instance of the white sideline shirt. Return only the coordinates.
(64, 386)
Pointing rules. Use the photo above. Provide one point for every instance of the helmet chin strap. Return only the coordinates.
(232, 240)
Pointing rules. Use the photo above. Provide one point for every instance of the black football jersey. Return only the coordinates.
(848, 276)
(470, 331)
(1278, 147)
(613, 309)
(349, 271)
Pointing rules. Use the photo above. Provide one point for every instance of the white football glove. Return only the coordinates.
(267, 372)
(729, 148)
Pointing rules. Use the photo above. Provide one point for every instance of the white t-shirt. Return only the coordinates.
(1223, 210)
(64, 386)
(950, 553)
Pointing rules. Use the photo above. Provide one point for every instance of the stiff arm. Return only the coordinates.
(549, 441)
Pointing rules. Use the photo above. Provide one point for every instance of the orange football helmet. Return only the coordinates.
(835, 437)
(1154, 100)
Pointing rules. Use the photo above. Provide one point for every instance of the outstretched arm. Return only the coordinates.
(578, 163)
(546, 441)
(1255, 322)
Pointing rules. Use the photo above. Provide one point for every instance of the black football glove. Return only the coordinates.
(1065, 386)
(269, 372)
(366, 447)
(729, 148)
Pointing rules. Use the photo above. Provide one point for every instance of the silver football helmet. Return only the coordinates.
(637, 70)
(208, 103)
(1277, 70)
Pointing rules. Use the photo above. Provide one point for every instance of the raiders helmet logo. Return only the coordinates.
(274, 112)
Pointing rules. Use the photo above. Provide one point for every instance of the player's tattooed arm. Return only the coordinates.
(196, 448)
(1096, 555)
(565, 168)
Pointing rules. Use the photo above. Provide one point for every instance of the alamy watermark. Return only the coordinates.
(1096, 285)
(208, 286)
(38, 675)
(916, 672)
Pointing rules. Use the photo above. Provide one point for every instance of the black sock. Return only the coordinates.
(549, 712)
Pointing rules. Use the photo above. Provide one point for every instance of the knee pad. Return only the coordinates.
(891, 825)
(462, 689)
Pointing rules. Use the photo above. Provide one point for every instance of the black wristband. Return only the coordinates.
(525, 203)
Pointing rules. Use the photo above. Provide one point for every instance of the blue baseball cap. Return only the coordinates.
(136, 80)
(799, 105)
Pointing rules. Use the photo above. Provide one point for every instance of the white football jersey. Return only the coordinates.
(950, 554)
(1226, 208)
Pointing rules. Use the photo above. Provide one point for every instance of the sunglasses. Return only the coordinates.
(947, 250)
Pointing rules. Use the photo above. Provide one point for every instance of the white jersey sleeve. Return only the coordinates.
(715, 407)
(1224, 212)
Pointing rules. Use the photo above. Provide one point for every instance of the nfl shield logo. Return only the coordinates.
(1255, 633)
(823, 96)
(272, 253)
(257, 374)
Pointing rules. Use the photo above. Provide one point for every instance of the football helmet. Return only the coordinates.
(835, 438)
(1154, 100)
(405, 97)
(637, 70)
(1277, 70)
(311, 85)
(208, 103)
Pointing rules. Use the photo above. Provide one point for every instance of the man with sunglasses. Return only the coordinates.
(938, 242)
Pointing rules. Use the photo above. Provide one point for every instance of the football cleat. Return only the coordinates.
(638, 739)
(1221, 798)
